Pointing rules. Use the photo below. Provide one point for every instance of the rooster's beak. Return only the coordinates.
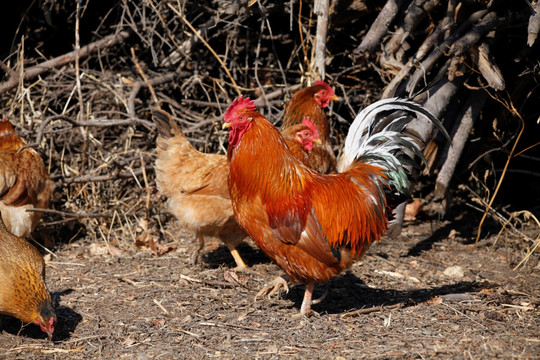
(226, 126)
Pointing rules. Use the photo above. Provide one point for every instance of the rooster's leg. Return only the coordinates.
(321, 298)
(195, 257)
(306, 303)
(240, 264)
(273, 287)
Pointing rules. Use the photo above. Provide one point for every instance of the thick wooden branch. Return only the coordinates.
(379, 28)
(414, 14)
(534, 25)
(438, 51)
(474, 35)
(321, 10)
(459, 135)
(440, 96)
(45, 66)
(428, 44)
(487, 66)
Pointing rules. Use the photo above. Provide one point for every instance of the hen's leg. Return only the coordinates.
(239, 262)
(274, 286)
(195, 257)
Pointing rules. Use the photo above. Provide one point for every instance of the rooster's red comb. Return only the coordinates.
(324, 84)
(307, 121)
(240, 103)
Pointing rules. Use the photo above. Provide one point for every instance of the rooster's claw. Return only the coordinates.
(273, 287)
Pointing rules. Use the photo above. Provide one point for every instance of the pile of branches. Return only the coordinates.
(473, 65)
(82, 91)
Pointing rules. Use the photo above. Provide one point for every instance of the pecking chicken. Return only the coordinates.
(313, 225)
(24, 182)
(23, 293)
(311, 102)
(195, 183)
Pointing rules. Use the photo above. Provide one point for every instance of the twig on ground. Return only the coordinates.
(71, 215)
(371, 310)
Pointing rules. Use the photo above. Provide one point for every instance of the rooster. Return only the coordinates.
(196, 183)
(311, 102)
(24, 182)
(313, 225)
(23, 293)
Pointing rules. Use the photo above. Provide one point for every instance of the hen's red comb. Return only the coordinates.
(307, 121)
(5, 127)
(240, 103)
(324, 85)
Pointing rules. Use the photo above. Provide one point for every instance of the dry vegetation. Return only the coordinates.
(87, 113)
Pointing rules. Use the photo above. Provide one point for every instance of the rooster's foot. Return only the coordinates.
(273, 287)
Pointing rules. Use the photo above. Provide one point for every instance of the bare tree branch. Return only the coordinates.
(36, 70)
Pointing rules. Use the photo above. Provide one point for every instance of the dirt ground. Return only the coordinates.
(402, 301)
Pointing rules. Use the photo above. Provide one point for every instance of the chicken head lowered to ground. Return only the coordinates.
(23, 293)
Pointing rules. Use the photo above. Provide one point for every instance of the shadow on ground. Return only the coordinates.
(348, 293)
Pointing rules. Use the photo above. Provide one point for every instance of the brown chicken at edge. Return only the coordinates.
(311, 102)
(195, 183)
(23, 292)
(24, 182)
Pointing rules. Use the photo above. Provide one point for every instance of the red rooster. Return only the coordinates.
(313, 225)
(311, 102)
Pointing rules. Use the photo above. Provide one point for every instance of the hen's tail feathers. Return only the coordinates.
(164, 123)
(379, 136)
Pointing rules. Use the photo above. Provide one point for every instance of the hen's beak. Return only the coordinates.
(49, 334)
(334, 98)
(226, 126)
(317, 141)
